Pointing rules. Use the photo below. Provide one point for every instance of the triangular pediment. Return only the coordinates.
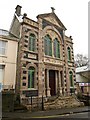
(52, 18)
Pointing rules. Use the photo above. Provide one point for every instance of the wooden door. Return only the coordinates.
(52, 82)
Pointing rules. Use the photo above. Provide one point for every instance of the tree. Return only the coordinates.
(81, 60)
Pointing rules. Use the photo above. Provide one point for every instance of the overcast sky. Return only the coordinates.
(72, 13)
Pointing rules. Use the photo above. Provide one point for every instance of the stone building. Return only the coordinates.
(45, 55)
(8, 60)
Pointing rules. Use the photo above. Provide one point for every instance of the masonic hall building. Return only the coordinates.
(45, 55)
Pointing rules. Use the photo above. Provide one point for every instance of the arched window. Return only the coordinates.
(31, 77)
(71, 79)
(48, 45)
(56, 48)
(69, 53)
(32, 39)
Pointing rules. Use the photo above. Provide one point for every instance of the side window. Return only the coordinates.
(1, 76)
(32, 40)
(2, 47)
(31, 77)
(69, 54)
(56, 48)
(48, 45)
(71, 79)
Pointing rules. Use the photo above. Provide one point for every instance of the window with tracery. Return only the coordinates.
(48, 45)
(56, 48)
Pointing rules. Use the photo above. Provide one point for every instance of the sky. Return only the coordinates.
(72, 13)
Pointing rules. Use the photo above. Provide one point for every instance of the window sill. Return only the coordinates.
(3, 56)
(70, 61)
(72, 87)
(52, 57)
(35, 52)
(31, 89)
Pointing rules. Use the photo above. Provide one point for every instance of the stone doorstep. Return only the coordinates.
(62, 103)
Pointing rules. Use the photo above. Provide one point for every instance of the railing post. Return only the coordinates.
(42, 103)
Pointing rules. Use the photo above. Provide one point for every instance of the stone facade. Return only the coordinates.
(52, 73)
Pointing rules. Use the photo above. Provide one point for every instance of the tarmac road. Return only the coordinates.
(80, 112)
(75, 115)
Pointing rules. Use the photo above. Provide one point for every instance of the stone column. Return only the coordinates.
(56, 81)
(59, 84)
(67, 81)
(47, 82)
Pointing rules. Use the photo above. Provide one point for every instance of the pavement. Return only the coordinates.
(43, 114)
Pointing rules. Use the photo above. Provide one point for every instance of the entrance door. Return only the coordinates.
(52, 82)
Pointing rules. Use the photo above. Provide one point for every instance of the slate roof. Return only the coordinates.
(6, 33)
(82, 69)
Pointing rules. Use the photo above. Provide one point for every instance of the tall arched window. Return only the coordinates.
(71, 79)
(31, 77)
(69, 53)
(56, 48)
(32, 39)
(48, 45)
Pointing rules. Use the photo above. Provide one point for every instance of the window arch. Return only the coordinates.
(48, 45)
(56, 48)
(32, 40)
(31, 77)
(69, 53)
(71, 79)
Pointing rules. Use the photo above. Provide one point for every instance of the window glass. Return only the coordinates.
(69, 54)
(71, 78)
(48, 45)
(56, 48)
(31, 73)
(1, 76)
(32, 39)
(2, 47)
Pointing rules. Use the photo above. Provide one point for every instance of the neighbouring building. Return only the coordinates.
(45, 55)
(83, 79)
(8, 59)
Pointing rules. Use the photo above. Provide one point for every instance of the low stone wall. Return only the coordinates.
(62, 102)
(53, 102)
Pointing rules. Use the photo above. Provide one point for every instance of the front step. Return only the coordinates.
(51, 98)
(62, 102)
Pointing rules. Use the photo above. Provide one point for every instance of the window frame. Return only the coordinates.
(71, 79)
(2, 71)
(69, 54)
(32, 42)
(31, 77)
(48, 45)
(56, 48)
(3, 47)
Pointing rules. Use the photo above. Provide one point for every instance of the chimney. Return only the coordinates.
(18, 10)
